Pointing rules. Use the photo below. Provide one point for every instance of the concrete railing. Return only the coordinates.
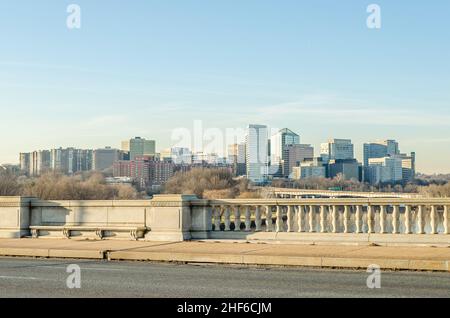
(181, 217)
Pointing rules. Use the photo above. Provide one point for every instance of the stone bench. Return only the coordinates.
(100, 232)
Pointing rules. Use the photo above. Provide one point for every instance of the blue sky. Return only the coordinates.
(144, 68)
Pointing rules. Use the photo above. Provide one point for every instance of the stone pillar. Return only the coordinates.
(358, 219)
(290, 216)
(268, 218)
(408, 219)
(446, 220)
(258, 220)
(227, 217)
(370, 219)
(433, 221)
(420, 219)
(248, 221)
(237, 218)
(217, 221)
(395, 220)
(334, 219)
(279, 220)
(322, 219)
(383, 219)
(170, 218)
(312, 215)
(346, 219)
(300, 218)
(15, 216)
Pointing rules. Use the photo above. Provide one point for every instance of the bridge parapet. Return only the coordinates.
(181, 217)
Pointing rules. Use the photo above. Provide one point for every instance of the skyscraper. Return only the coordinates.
(236, 157)
(384, 170)
(104, 158)
(293, 155)
(337, 149)
(379, 149)
(24, 160)
(141, 147)
(257, 157)
(278, 141)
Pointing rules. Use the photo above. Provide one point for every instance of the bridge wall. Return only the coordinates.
(184, 217)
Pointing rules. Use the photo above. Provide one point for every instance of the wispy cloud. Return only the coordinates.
(334, 109)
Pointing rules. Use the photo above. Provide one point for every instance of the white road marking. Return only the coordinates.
(19, 277)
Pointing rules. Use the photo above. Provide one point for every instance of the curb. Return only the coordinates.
(235, 259)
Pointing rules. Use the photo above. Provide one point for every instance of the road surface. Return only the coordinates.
(20, 277)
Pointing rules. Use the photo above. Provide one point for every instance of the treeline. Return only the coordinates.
(343, 184)
(436, 190)
(55, 186)
(204, 182)
(210, 184)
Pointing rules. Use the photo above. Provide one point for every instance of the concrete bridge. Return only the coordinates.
(382, 221)
(303, 193)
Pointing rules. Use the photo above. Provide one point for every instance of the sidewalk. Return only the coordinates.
(387, 257)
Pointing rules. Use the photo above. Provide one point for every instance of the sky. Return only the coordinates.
(151, 67)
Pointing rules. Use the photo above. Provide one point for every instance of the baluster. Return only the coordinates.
(237, 218)
(383, 219)
(290, 215)
(346, 219)
(258, 220)
(216, 210)
(312, 211)
(227, 220)
(300, 218)
(446, 220)
(395, 219)
(420, 219)
(268, 218)
(334, 219)
(433, 217)
(370, 219)
(248, 221)
(358, 219)
(408, 219)
(322, 219)
(279, 220)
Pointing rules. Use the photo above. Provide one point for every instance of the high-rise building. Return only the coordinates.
(337, 149)
(144, 170)
(293, 155)
(142, 147)
(104, 158)
(125, 146)
(309, 168)
(236, 157)
(39, 162)
(24, 162)
(278, 142)
(384, 170)
(348, 168)
(160, 172)
(257, 153)
(379, 149)
(71, 160)
(408, 166)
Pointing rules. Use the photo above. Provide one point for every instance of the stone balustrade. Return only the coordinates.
(395, 216)
(184, 217)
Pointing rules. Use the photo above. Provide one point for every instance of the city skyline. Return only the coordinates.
(131, 73)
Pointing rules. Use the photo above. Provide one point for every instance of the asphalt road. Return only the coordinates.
(47, 278)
